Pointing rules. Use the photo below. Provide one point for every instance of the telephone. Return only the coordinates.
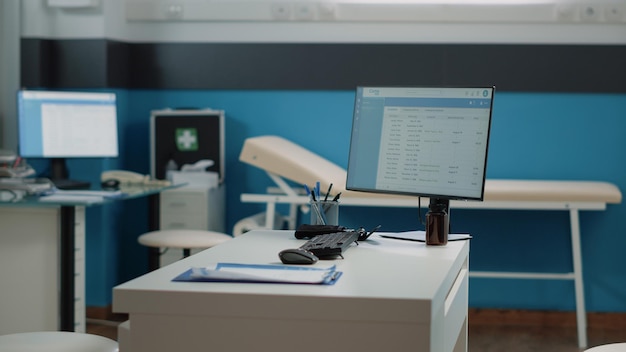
(7, 156)
(28, 185)
(131, 178)
(16, 172)
(12, 165)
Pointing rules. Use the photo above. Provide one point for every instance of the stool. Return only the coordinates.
(181, 239)
(612, 347)
(56, 341)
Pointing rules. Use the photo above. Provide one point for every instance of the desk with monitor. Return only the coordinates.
(42, 260)
(42, 244)
(429, 143)
(572, 197)
(393, 295)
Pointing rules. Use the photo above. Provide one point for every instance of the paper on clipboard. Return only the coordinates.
(261, 273)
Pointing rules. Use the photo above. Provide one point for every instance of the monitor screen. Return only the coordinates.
(423, 141)
(67, 124)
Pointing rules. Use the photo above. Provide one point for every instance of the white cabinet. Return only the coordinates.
(30, 269)
(192, 208)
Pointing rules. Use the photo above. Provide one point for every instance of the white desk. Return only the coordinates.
(393, 296)
(42, 261)
(569, 196)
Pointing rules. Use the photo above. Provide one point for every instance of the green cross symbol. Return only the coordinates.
(187, 139)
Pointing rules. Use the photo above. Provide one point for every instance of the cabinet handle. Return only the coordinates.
(454, 291)
(178, 205)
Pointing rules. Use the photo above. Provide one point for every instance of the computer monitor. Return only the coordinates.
(61, 124)
(422, 141)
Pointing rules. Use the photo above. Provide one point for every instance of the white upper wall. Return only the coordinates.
(330, 21)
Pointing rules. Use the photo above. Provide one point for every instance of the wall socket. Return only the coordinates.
(281, 11)
(590, 13)
(615, 12)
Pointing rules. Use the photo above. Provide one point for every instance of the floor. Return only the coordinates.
(522, 339)
(493, 330)
(502, 331)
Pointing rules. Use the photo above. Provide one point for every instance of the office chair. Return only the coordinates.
(180, 239)
(56, 341)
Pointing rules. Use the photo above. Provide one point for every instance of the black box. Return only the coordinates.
(179, 137)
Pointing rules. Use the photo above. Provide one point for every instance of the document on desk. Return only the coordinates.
(420, 236)
(261, 273)
(85, 196)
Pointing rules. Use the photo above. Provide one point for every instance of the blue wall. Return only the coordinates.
(534, 136)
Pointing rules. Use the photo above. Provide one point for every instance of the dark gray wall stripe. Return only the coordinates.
(101, 63)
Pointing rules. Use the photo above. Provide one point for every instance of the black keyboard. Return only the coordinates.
(331, 244)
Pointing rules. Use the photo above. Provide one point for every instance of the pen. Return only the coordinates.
(328, 192)
(317, 189)
(316, 208)
(315, 205)
(336, 199)
(320, 215)
(308, 190)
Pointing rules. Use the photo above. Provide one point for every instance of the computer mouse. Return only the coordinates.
(110, 183)
(297, 256)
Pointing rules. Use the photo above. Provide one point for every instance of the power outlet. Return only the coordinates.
(281, 11)
(173, 11)
(614, 12)
(304, 12)
(590, 13)
(566, 12)
(326, 11)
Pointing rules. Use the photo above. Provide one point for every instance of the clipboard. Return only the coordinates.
(261, 273)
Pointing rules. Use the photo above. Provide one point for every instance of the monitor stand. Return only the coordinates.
(59, 176)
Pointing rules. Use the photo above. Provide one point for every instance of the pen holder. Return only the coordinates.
(324, 212)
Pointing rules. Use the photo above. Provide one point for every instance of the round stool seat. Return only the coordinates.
(56, 341)
(613, 347)
(185, 239)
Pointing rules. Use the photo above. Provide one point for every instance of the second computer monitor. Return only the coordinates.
(60, 124)
(423, 141)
